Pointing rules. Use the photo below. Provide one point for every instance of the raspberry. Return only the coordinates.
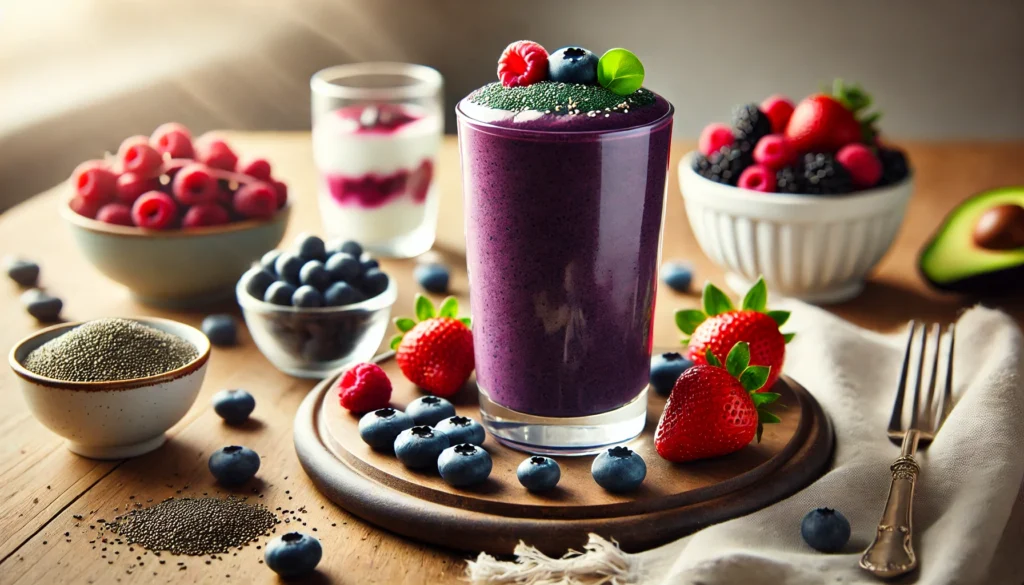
(115, 213)
(774, 152)
(94, 182)
(865, 168)
(215, 153)
(256, 201)
(419, 181)
(84, 207)
(194, 184)
(154, 211)
(282, 193)
(714, 137)
(522, 63)
(172, 140)
(205, 214)
(364, 387)
(257, 168)
(131, 186)
(137, 156)
(778, 108)
(757, 178)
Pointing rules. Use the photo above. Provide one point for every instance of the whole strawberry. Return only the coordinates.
(436, 353)
(826, 123)
(720, 326)
(713, 411)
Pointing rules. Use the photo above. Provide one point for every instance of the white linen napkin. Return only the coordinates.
(969, 505)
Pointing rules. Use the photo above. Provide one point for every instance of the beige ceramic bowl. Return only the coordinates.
(176, 268)
(112, 420)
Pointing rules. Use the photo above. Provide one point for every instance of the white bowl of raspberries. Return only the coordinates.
(176, 220)
(806, 196)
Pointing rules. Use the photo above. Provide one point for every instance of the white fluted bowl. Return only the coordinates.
(818, 249)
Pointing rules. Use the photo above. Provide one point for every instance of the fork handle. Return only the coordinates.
(891, 554)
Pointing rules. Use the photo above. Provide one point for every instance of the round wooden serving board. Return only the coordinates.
(674, 500)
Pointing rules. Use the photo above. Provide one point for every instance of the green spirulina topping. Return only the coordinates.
(555, 97)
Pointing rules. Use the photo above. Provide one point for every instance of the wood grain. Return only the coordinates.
(31, 458)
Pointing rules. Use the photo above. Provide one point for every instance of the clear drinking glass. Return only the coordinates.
(377, 128)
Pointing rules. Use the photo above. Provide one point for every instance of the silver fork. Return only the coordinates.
(891, 554)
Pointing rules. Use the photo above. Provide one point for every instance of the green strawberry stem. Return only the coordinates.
(715, 302)
(855, 99)
(752, 378)
(425, 310)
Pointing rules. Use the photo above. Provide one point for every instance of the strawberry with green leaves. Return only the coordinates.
(720, 326)
(435, 353)
(713, 411)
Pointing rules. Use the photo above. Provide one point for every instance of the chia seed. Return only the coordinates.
(567, 98)
(110, 350)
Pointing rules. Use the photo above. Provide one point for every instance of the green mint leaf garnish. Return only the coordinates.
(449, 308)
(715, 301)
(620, 71)
(757, 297)
(687, 320)
(424, 308)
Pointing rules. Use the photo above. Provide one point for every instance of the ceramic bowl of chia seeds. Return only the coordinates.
(316, 342)
(111, 387)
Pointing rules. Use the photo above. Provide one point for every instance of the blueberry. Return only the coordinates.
(464, 465)
(373, 282)
(307, 297)
(429, 410)
(288, 266)
(352, 248)
(666, 369)
(380, 428)
(42, 306)
(677, 275)
(315, 275)
(619, 470)
(269, 260)
(344, 267)
(573, 65)
(220, 329)
(234, 406)
(259, 282)
(369, 263)
(23, 272)
(279, 293)
(234, 465)
(461, 429)
(293, 554)
(342, 293)
(432, 277)
(825, 530)
(310, 247)
(418, 447)
(539, 474)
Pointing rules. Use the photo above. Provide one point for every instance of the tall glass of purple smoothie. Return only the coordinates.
(564, 192)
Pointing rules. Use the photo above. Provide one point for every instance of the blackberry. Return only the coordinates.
(749, 125)
(894, 165)
(824, 176)
(789, 180)
(723, 166)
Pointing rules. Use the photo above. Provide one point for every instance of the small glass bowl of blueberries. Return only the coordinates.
(316, 307)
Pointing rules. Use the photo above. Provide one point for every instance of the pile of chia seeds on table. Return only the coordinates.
(109, 350)
(195, 526)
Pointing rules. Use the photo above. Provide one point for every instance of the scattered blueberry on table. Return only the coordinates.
(461, 429)
(433, 277)
(24, 272)
(234, 406)
(430, 410)
(293, 554)
(234, 465)
(539, 474)
(666, 369)
(464, 465)
(677, 275)
(45, 308)
(380, 428)
(619, 470)
(420, 446)
(825, 530)
(220, 329)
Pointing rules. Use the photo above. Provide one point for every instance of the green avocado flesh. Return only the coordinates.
(953, 261)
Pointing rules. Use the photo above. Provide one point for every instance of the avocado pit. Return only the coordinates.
(1000, 228)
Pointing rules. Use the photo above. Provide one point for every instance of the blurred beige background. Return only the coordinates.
(77, 76)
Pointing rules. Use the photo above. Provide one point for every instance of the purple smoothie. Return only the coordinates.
(563, 219)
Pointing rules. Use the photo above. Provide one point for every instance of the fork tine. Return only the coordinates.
(915, 409)
(947, 391)
(929, 408)
(895, 421)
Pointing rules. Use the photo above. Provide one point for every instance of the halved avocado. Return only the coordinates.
(953, 260)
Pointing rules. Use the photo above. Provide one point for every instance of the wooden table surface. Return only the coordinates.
(43, 487)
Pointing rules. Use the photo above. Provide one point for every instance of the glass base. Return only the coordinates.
(408, 245)
(582, 435)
